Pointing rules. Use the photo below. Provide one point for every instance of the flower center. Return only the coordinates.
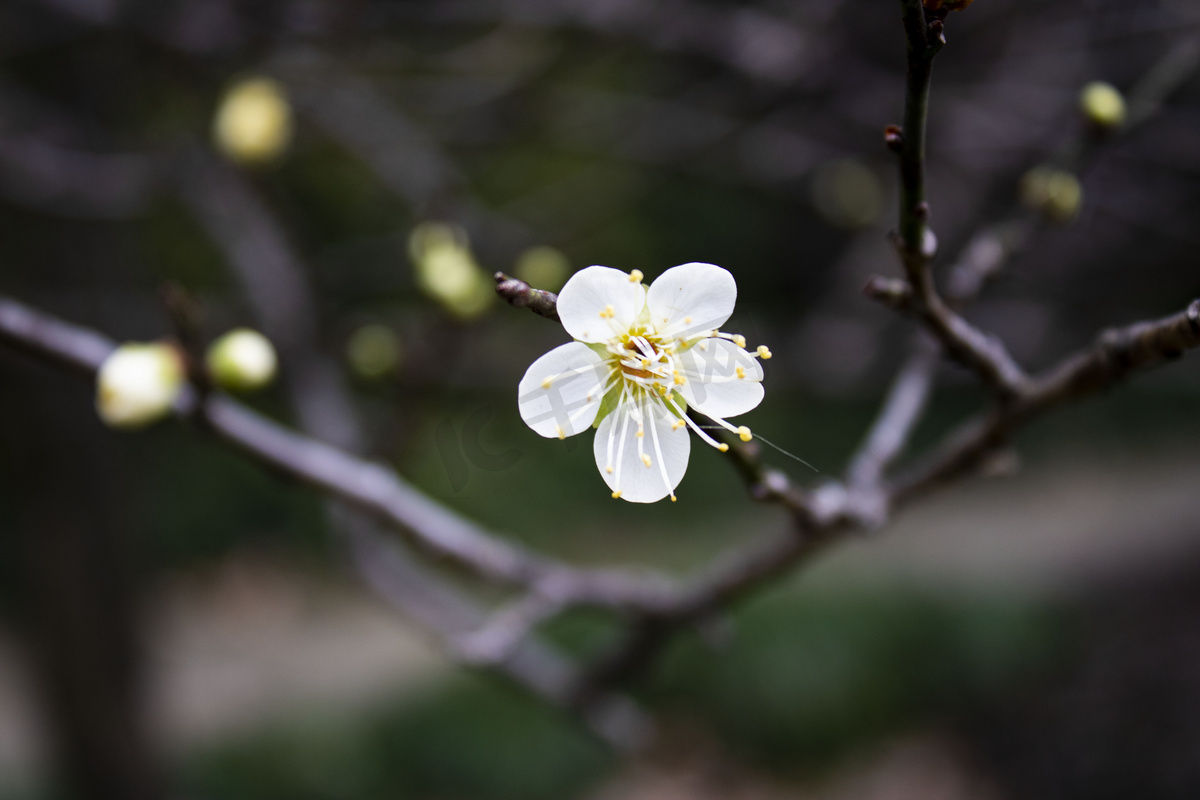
(639, 362)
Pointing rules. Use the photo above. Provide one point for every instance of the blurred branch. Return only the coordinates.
(764, 47)
(74, 183)
(379, 492)
(274, 280)
(383, 495)
(906, 400)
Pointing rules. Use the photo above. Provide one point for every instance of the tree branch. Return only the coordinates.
(1115, 354)
(520, 294)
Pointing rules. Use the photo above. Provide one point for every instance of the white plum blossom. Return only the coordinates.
(641, 357)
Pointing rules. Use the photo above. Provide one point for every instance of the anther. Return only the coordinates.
(741, 372)
(635, 276)
(561, 433)
(763, 351)
(608, 470)
(724, 448)
(744, 433)
(546, 384)
(616, 495)
(673, 498)
(739, 340)
(646, 459)
(641, 434)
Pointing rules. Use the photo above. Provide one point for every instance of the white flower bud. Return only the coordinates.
(138, 384)
(242, 360)
(254, 121)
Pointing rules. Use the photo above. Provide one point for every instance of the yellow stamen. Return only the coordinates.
(687, 320)
(723, 447)
(763, 352)
(744, 433)
(546, 384)
(635, 276)
(616, 495)
(641, 434)
(645, 459)
(561, 433)
(739, 340)
(608, 470)
(679, 379)
(741, 372)
(673, 498)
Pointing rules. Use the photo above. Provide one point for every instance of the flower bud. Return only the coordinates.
(373, 351)
(1054, 192)
(1103, 104)
(242, 361)
(447, 270)
(254, 121)
(138, 384)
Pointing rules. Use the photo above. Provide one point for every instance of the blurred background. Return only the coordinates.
(346, 176)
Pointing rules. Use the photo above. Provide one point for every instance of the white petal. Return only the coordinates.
(561, 391)
(594, 291)
(635, 481)
(691, 298)
(712, 386)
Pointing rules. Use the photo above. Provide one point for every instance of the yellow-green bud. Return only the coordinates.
(138, 384)
(1103, 104)
(373, 351)
(254, 121)
(543, 268)
(242, 360)
(447, 270)
(1054, 192)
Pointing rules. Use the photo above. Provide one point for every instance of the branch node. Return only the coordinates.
(893, 138)
(895, 293)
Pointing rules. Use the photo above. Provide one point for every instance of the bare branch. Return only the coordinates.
(905, 402)
(914, 240)
(503, 632)
(1115, 354)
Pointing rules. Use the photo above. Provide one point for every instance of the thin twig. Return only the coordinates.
(519, 294)
(889, 434)
(914, 241)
